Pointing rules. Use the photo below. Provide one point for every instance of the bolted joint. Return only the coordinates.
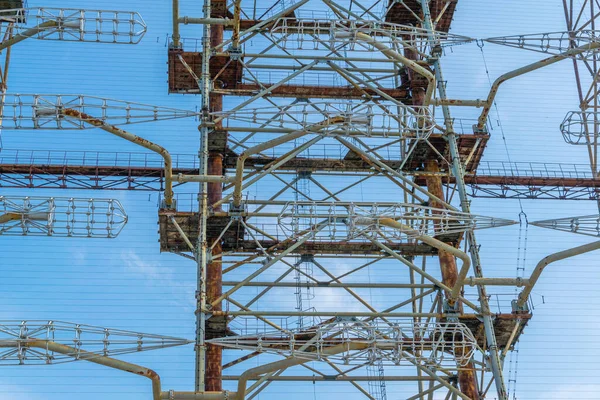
(453, 380)
(452, 309)
(307, 258)
(481, 131)
(519, 309)
(235, 53)
(266, 260)
(236, 210)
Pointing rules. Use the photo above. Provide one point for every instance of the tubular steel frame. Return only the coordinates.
(350, 121)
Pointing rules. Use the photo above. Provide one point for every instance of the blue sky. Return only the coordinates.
(126, 283)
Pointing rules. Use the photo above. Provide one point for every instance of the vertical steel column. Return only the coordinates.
(466, 376)
(176, 35)
(457, 170)
(214, 272)
(467, 379)
(8, 35)
(202, 244)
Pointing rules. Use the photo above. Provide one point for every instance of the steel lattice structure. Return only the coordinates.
(329, 96)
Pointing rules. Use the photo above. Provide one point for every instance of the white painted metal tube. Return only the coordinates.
(518, 282)
(182, 178)
(27, 34)
(561, 255)
(133, 139)
(289, 362)
(528, 68)
(205, 21)
(96, 359)
(464, 270)
(150, 146)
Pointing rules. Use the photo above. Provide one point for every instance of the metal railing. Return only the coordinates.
(534, 170)
(94, 159)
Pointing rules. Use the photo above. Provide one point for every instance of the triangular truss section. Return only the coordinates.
(588, 225)
(359, 119)
(47, 111)
(550, 42)
(440, 344)
(55, 342)
(320, 34)
(353, 220)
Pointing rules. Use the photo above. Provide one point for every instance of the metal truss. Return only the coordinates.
(68, 217)
(45, 111)
(44, 342)
(435, 344)
(581, 127)
(360, 119)
(364, 219)
(145, 172)
(75, 25)
(588, 225)
(364, 82)
(320, 34)
(550, 42)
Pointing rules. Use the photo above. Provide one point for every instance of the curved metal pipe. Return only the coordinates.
(27, 34)
(523, 70)
(288, 362)
(544, 262)
(393, 55)
(133, 139)
(150, 146)
(464, 270)
(94, 358)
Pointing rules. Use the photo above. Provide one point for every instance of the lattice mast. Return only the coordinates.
(367, 114)
(226, 63)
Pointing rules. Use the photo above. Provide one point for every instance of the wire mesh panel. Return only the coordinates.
(581, 127)
(348, 220)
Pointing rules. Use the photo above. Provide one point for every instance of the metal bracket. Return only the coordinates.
(235, 53)
(452, 311)
(236, 211)
(524, 309)
(304, 174)
(345, 319)
(478, 131)
(307, 258)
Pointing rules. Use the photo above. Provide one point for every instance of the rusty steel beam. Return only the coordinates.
(303, 91)
(151, 179)
(467, 378)
(325, 92)
(214, 271)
